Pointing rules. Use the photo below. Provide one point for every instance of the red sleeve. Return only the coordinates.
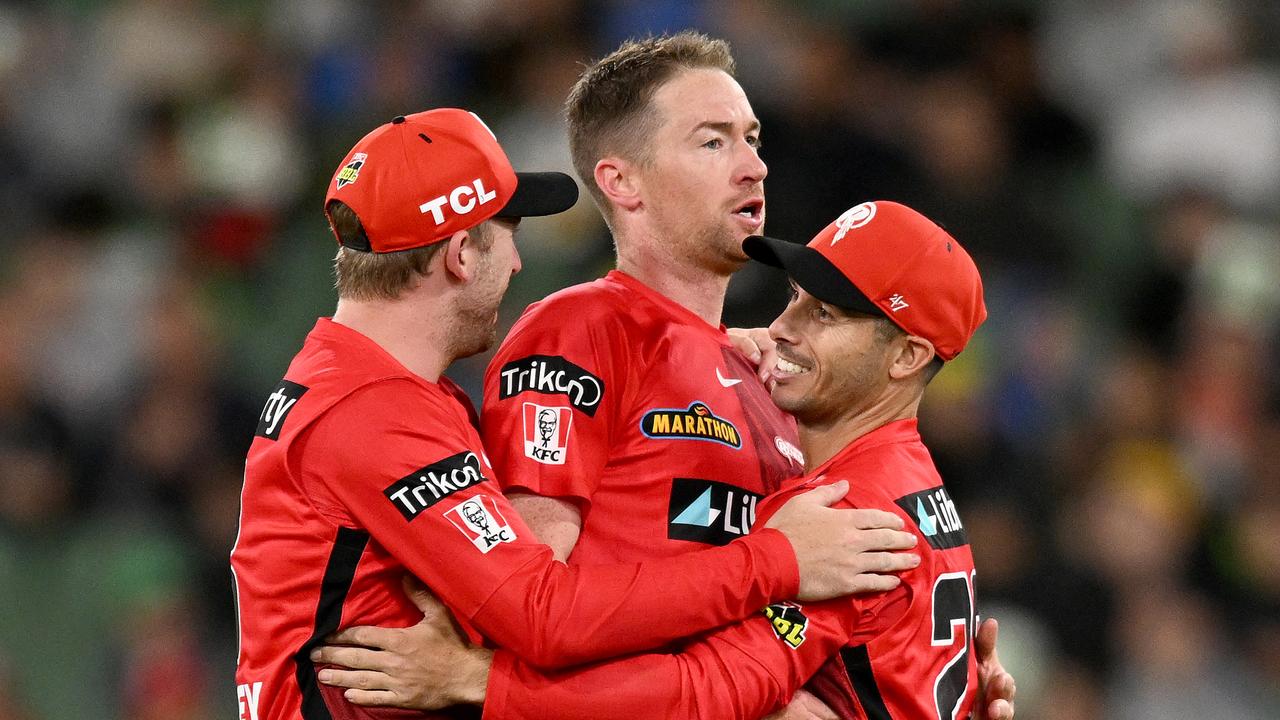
(407, 468)
(743, 671)
(551, 395)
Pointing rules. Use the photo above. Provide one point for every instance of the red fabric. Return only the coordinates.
(747, 670)
(340, 455)
(650, 355)
(420, 178)
(911, 268)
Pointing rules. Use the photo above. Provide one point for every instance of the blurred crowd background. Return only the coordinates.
(1112, 437)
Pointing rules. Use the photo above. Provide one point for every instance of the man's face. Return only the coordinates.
(478, 305)
(832, 363)
(703, 187)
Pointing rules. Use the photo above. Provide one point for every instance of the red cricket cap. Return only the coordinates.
(420, 178)
(884, 258)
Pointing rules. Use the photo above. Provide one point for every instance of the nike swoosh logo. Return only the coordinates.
(726, 382)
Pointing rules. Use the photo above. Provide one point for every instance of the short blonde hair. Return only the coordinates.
(608, 109)
(361, 275)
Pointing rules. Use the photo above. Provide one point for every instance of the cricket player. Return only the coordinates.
(663, 441)
(367, 465)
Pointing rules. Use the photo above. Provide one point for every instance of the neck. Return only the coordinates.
(821, 440)
(413, 332)
(699, 289)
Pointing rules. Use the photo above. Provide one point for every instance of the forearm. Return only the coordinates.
(557, 616)
(744, 671)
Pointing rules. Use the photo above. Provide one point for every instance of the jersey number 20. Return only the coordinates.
(952, 607)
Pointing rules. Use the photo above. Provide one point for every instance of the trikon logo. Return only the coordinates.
(420, 489)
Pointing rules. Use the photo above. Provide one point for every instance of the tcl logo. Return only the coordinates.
(462, 200)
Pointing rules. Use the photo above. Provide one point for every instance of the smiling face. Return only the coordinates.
(703, 182)
(833, 364)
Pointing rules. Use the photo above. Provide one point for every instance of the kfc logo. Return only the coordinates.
(479, 519)
(546, 433)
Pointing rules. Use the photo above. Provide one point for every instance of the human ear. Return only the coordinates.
(618, 180)
(913, 355)
(460, 256)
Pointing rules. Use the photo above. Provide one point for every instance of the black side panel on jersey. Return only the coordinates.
(858, 664)
(348, 546)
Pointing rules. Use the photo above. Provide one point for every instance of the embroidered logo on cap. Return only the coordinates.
(351, 171)
(853, 218)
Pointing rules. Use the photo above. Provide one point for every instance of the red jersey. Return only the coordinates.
(361, 471)
(626, 403)
(907, 653)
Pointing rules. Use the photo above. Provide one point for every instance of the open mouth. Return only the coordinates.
(787, 367)
(752, 209)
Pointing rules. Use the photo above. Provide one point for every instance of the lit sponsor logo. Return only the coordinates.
(695, 423)
(546, 432)
(479, 518)
(551, 375)
(247, 697)
(709, 512)
(935, 515)
(351, 171)
(789, 622)
(462, 200)
(279, 403)
(419, 490)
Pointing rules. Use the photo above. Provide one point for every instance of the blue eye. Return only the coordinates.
(713, 144)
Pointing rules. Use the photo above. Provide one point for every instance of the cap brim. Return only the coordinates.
(811, 271)
(540, 193)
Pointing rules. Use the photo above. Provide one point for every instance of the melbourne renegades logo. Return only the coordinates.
(480, 520)
(546, 432)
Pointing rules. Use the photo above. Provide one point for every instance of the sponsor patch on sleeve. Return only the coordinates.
(480, 520)
(546, 432)
(279, 403)
(936, 517)
(551, 375)
(423, 488)
(789, 622)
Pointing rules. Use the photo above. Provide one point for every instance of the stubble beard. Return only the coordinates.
(476, 328)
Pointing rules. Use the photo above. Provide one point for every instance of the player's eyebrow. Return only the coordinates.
(724, 126)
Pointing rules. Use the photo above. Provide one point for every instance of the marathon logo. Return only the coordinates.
(423, 488)
(279, 403)
(551, 375)
(789, 622)
(462, 200)
(351, 170)
(480, 520)
(936, 517)
(695, 423)
(546, 433)
(709, 512)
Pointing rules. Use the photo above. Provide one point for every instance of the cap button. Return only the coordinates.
(397, 119)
